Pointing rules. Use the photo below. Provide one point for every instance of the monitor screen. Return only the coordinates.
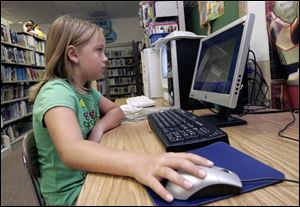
(221, 62)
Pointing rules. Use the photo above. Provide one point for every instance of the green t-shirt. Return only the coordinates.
(59, 184)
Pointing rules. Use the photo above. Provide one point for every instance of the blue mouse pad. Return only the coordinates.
(223, 155)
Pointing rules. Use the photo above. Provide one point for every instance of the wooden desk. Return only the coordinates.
(258, 139)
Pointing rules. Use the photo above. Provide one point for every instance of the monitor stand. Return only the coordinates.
(223, 118)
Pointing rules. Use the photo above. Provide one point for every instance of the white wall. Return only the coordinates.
(127, 29)
(259, 40)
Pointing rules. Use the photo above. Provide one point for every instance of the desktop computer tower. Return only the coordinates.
(182, 57)
(151, 73)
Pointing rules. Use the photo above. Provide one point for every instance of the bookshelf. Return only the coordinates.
(159, 18)
(122, 77)
(22, 65)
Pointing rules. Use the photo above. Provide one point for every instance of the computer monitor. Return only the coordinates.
(219, 69)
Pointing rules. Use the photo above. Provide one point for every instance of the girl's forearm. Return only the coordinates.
(90, 157)
(112, 119)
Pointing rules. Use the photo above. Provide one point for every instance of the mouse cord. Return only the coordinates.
(270, 178)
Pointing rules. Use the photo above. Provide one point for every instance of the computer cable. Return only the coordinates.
(256, 73)
(252, 111)
(254, 78)
(260, 74)
(289, 124)
(269, 178)
(262, 81)
(254, 84)
(275, 111)
(269, 112)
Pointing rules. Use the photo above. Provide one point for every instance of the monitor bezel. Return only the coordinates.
(227, 100)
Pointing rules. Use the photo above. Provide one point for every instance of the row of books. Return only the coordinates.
(9, 92)
(9, 73)
(30, 42)
(122, 90)
(7, 35)
(121, 80)
(25, 40)
(13, 131)
(120, 62)
(119, 53)
(15, 110)
(161, 27)
(120, 72)
(20, 56)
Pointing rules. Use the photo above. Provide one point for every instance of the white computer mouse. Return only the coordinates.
(218, 181)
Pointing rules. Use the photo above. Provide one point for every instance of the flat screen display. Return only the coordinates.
(217, 61)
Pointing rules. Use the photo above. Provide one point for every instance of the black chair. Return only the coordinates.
(30, 160)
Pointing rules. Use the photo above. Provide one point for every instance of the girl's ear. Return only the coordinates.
(72, 54)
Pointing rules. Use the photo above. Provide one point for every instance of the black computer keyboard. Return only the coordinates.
(180, 130)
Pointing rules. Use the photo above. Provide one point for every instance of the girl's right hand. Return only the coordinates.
(152, 168)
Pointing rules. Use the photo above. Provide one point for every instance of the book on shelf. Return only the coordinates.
(9, 73)
(40, 46)
(14, 37)
(31, 42)
(121, 75)
(22, 40)
(120, 62)
(11, 131)
(123, 90)
(10, 92)
(21, 61)
(39, 59)
(15, 110)
(120, 72)
(116, 53)
(122, 81)
(21, 56)
(14, 131)
(5, 35)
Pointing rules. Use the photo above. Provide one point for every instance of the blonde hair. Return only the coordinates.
(63, 32)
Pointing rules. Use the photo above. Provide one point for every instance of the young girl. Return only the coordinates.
(68, 128)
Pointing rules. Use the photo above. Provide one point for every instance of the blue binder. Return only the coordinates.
(223, 155)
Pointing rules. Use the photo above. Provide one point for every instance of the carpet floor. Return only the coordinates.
(16, 188)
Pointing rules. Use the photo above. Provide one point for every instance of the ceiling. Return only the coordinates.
(44, 12)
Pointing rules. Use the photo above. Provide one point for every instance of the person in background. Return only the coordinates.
(34, 29)
(29, 27)
(68, 128)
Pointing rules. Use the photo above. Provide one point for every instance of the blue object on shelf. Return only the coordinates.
(154, 37)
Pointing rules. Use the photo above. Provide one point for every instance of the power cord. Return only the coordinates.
(289, 124)
(263, 81)
(280, 132)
